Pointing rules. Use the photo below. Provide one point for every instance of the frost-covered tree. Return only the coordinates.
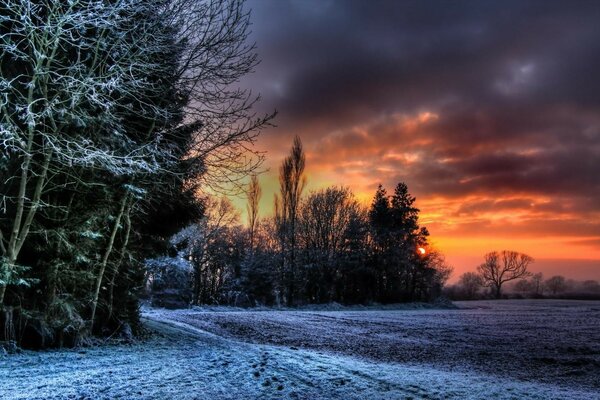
(114, 114)
(70, 72)
(213, 246)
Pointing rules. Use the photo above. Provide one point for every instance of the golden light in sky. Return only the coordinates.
(421, 250)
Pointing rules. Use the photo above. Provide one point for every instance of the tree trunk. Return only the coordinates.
(21, 230)
(498, 292)
(118, 265)
(104, 262)
(2, 292)
(292, 272)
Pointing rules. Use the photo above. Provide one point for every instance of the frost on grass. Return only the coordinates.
(185, 362)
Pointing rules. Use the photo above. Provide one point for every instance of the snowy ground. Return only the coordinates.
(508, 349)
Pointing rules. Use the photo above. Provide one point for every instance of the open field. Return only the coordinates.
(496, 349)
(553, 341)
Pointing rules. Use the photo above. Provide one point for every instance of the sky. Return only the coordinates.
(489, 111)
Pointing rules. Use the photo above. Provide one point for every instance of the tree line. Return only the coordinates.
(319, 247)
(471, 286)
(506, 274)
(113, 115)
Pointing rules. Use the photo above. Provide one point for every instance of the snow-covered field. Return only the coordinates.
(482, 350)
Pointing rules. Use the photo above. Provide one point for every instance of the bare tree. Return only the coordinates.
(590, 286)
(533, 286)
(253, 194)
(556, 284)
(323, 222)
(215, 54)
(324, 217)
(207, 245)
(502, 267)
(523, 286)
(536, 283)
(470, 283)
(291, 184)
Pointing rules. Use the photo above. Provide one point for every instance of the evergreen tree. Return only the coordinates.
(396, 237)
(408, 237)
(380, 217)
(381, 225)
(404, 216)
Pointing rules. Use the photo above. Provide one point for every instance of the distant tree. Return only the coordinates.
(404, 215)
(537, 284)
(530, 287)
(523, 286)
(168, 281)
(502, 267)
(590, 286)
(470, 283)
(213, 248)
(402, 272)
(380, 224)
(259, 272)
(436, 264)
(556, 284)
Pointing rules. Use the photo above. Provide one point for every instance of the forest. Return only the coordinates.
(119, 119)
(114, 116)
(318, 248)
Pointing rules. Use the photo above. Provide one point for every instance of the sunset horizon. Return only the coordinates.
(491, 128)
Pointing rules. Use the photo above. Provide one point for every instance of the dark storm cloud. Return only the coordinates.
(347, 59)
(513, 86)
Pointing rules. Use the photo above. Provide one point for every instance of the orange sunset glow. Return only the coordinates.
(497, 138)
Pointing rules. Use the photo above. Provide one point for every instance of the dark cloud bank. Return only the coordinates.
(513, 87)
